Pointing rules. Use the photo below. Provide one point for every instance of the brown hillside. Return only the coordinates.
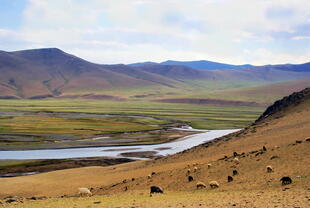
(50, 72)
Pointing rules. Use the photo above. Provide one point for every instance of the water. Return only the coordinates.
(167, 148)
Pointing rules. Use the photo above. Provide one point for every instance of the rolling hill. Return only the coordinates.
(50, 72)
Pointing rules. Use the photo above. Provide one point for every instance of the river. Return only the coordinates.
(116, 151)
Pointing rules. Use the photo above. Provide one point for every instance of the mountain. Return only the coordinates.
(50, 72)
(202, 64)
(289, 67)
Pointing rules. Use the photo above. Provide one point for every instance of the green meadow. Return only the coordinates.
(198, 116)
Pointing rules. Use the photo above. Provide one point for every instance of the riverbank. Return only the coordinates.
(57, 159)
(13, 168)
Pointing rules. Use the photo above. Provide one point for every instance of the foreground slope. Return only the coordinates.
(277, 129)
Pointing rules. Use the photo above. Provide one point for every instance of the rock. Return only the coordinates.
(37, 198)
(298, 141)
(11, 199)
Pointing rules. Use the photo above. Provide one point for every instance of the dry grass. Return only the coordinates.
(202, 198)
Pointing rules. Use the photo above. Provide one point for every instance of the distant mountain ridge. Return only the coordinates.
(51, 72)
(201, 64)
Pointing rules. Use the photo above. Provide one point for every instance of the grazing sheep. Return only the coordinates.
(209, 165)
(200, 185)
(236, 160)
(149, 176)
(188, 171)
(195, 164)
(274, 157)
(230, 178)
(214, 184)
(156, 189)
(190, 178)
(286, 180)
(84, 192)
(195, 169)
(269, 169)
(235, 172)
(235, 154)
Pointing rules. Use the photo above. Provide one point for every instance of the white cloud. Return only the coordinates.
(115, 31)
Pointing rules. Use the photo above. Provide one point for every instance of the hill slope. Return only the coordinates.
(50, 72)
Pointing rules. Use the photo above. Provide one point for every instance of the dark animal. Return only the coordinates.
(190, 178)
(156, 189)
(235, 172)
(286, 180)
(264, 148)
(235, 154)
(153, 173)
(274, 157)
(230, 178)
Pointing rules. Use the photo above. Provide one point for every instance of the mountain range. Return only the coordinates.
(50, 72)
(202, 64)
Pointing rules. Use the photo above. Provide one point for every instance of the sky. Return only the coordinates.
(126, 31)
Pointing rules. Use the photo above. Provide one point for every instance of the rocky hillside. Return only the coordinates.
(287, 102)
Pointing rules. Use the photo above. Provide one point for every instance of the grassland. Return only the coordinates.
(198, 116)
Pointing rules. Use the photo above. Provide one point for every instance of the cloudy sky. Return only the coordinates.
(125, 31)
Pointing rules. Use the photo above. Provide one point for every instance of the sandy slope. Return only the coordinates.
(253, 184)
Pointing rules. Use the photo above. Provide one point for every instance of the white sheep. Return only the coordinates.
(188, 171)
(209, 165)
(84, 192)
(200, 184)
(214, 184)
(269, 169)
(195, 169)
(236, 160)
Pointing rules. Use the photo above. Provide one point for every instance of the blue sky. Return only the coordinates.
(126, 31)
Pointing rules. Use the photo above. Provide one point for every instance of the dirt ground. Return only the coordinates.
(291, 197)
